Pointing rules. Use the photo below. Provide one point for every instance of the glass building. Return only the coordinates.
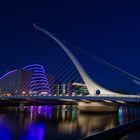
(31, 80)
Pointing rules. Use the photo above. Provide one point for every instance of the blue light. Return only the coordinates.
(39, 80)
(6, 131)
(8, 73)
(42, 86)
(39, 71)
(120, 115)
(35, 81)
(32, 65)
(35, 131)
(39, 74)
(34, 69)
(39, 84)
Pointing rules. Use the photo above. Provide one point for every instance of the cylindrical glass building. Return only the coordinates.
(39, 82)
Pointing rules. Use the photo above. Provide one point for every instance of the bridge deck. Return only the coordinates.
(125, 98)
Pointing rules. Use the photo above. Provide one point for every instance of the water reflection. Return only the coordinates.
(6, 131)
(127, 114)
(60, 122)
(35, 131)
(92, 124)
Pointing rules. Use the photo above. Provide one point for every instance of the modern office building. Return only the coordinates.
(71, 88)
(32, 80)
(60, 89)
(79, 88)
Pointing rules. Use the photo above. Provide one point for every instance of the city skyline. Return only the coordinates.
(69, 69)
(98, 29)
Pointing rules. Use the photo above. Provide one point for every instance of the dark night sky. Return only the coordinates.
(109, 29)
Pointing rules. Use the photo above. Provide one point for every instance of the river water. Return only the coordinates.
(63, 122)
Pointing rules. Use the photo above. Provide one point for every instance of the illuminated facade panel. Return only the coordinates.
(30, 80)
(39, 82)
(15, 82)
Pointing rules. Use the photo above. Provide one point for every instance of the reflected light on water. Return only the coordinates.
(95, 123)
(120, 113)
(64, 122)
(35, 132)
(6, 132)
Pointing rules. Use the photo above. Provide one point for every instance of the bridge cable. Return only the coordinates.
(135, 79)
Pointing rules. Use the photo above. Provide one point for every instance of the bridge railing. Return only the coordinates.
(100, 96)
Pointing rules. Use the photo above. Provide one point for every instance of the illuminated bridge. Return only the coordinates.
(30, 85)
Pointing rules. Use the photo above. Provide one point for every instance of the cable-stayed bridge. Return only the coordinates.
(105, 98)
(39, 82)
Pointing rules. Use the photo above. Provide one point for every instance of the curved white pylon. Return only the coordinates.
(92, 86)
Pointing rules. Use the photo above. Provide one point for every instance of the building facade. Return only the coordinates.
(31, 80)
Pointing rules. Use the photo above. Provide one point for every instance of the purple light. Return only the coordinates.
(41, 83)
(41, 88)
(39, 74)
(34, 81)
(37, 87)
(39, 80)
(36, 131)
(36, 68)
(49, 110)
(37, 65)
(8, 73)
(6, 132)
(39, 71)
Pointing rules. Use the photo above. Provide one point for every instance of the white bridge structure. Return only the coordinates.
(96, 91)
(103, 97)
(91, 85)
